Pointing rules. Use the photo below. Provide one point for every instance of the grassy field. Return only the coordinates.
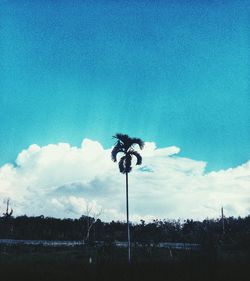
(39, 263)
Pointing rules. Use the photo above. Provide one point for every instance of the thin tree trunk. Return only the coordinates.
(129, 248)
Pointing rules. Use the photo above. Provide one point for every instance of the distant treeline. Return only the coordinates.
(236, 231)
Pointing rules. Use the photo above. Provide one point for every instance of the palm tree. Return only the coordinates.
(125, 145)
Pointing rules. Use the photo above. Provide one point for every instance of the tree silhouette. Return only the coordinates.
(8, 213)
(125, 145)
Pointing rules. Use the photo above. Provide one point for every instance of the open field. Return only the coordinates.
(43, 263)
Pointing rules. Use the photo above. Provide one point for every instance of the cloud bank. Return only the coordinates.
(61, 180)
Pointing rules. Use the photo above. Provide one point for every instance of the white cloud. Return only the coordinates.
(60, 180)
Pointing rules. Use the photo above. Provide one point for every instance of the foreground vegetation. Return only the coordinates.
(44, 263)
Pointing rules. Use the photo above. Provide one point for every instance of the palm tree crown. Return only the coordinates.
(125, 145)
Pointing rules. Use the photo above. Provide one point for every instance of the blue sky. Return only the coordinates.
(172, 72)
(175, 73)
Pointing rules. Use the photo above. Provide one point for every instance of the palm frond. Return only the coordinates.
(125, 164)
(137, 155)
(121, 137)
(121, 165)
(128, 141)
(138, 141)
(128, 163)
(117, 148)
(124, 140)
